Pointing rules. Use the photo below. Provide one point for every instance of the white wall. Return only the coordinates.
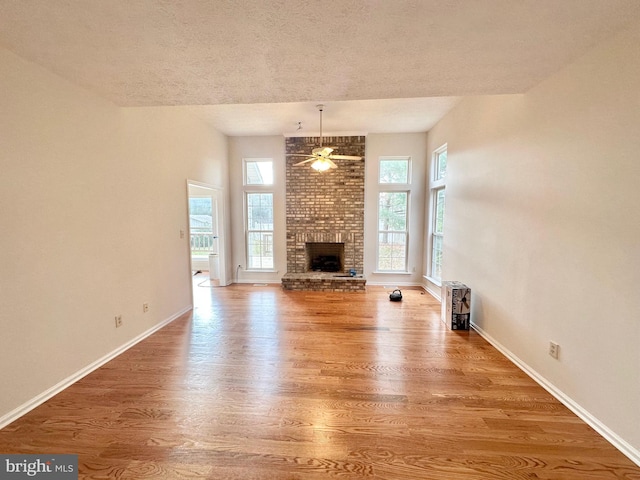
(543, 223)
(378, 145)
(257, 147)
(93, 198)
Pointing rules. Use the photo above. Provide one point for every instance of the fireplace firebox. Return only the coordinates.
(324, 256)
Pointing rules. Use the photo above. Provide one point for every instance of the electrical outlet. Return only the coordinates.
(554, 349)
(181, 233)
(118, 321)
(145, 307)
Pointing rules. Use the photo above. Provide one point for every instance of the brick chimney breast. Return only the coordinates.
(325, 207)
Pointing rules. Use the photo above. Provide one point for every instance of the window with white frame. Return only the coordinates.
(436, 220)
(394, 170)
(393, 214)
(258, 171)
(259, 231)
(258, 181)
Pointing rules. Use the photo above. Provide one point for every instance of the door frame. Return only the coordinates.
(217, 195)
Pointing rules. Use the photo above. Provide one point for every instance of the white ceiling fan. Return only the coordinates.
(322, 157)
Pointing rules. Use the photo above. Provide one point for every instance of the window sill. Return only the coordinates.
(433, 280)
(385, 272)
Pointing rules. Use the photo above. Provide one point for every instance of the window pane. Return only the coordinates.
(392, 234)
(394, 171)
(259, 211)
(258, 172)
(438, 226)
(259, 230)
(260, 250)
(441, 165)
(392, 251)
(436, 257)
(392, 211)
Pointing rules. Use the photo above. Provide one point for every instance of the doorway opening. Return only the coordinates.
(206, 248)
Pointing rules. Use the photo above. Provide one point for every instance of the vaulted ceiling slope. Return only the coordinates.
(264, 52)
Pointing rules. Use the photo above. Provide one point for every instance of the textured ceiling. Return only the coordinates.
(244, 56)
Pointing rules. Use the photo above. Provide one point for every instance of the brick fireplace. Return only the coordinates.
(325, 210)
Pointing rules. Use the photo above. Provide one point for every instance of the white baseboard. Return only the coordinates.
(628, 450)
(70, 380)
(433, 292)
(391, 283)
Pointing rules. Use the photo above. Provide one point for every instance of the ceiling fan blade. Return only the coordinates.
(344, 157)
(304, 161)
(324, 151)
(333, 165)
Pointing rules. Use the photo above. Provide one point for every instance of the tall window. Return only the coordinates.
(259, 231)
(258, 177)
(439, 174)
(392, 231)
(393, 214)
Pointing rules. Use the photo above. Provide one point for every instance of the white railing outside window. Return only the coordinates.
(203, 243)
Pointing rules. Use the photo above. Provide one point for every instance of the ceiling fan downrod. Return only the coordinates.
(320, 107)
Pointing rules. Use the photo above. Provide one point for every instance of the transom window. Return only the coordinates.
(440, 164)
(258, 171)
(394, 170)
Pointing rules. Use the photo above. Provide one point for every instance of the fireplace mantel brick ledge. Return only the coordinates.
(324, 282)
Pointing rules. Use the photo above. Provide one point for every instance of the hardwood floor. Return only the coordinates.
(263, 383)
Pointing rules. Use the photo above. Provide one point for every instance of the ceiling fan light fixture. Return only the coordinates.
(322, 157)
(321, 165)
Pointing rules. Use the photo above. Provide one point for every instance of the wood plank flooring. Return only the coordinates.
(262, 383)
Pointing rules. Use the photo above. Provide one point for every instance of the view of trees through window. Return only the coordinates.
(441, 165)
(438, 230)
(437, 212)
(393, 177)
(394, 170)
(392, 231)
